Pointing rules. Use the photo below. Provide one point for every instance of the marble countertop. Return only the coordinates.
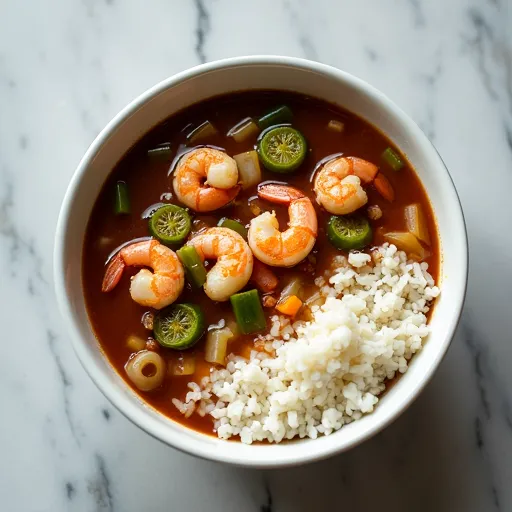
(67, 67)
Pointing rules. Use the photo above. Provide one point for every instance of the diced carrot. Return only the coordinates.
(263, 277)
(290, 305)
(384, 187)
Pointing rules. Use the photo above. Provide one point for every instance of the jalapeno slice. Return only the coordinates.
(179, 326)
(170, 224)
(282, 149)
(349, 231)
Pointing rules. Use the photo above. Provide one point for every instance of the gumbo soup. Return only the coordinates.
(261, 266)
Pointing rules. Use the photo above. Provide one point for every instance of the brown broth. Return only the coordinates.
(114, 316)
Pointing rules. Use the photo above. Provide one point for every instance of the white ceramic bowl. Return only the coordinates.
(243, 73)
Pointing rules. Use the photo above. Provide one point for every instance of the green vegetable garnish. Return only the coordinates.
(279, 115)
(170, 224)
(282, 149)
(234, 225)
(179, 326)
(194, 267)
(203, 131)
(349, 231)
(248, 311)
(161, 152)
(392, 159)
(122, 199)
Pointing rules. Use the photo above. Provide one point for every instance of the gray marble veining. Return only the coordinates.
(66, 68)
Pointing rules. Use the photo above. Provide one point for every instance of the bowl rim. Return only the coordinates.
(112, 393)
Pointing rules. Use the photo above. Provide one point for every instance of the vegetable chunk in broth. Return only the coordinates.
(233, 208)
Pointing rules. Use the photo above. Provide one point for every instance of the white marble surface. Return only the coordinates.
(67, 66)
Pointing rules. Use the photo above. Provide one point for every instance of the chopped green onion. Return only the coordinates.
(392, 159)
(243, 130)
(203, 131)
(279, 115)
(161, 152)
(336, 126)
(248, 311)
(194, 268)
(234, 225)
(122, 205)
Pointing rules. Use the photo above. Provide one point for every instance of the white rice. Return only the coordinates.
(314, 377)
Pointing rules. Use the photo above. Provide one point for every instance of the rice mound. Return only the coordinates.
(311, 378)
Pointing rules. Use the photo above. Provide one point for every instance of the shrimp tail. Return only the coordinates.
(364, 170)
(232, 192)
(384, 187)
(209, 197)
(113, 273)
(279, 194)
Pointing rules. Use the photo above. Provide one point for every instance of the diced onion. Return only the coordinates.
(416, 222)
(248, 168)
(315, 300)
(243, 130)
(294, 287)
(185, 365)
(233, 327)
(406, 242)
(216, 345)
(336, 126)
(104, 241)
(254, 207)
(147, 320)
(374, 212)
(135, 343)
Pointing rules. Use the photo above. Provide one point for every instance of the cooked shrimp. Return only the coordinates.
(338, 185)
(233, 268)
(206, 179)
(287, 248)
(155, 289)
